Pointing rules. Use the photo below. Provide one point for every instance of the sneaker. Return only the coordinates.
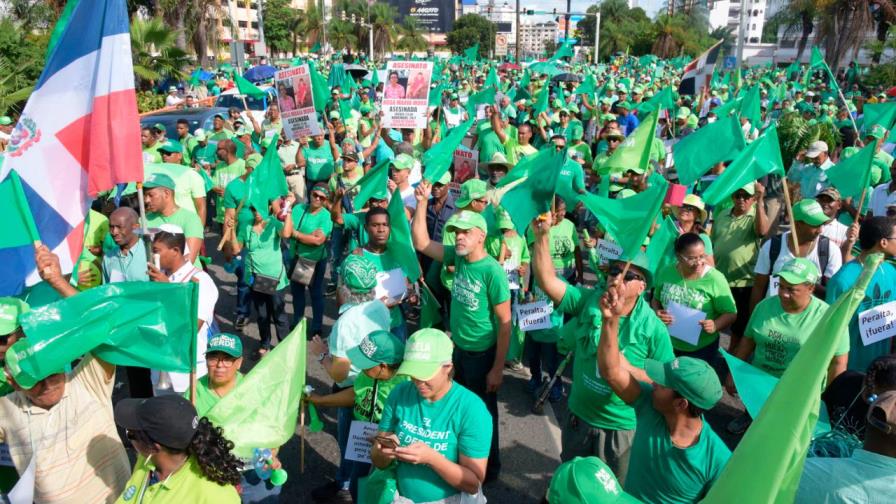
(556, 392)
(740, 424)
(331, 492)
(241, 322)
(514, 365)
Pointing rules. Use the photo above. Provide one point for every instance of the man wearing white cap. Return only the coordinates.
(809, 178)
(172, 99)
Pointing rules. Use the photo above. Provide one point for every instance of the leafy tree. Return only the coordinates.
(154, 52)
(469, 30)
(31, 15)
(280, 22)
(385, 31)
(412, 39)
(311, 27)
(21, 62)
(342, 35)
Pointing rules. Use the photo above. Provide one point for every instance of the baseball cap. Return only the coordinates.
(624, 105)
(159, 180)
(693, 378)
(199, 135)
(169, 420)
(10, 310)
(471, 190)
(882, 412)
(378, 347)
(586, 480)
(877, 132)
(226, 343)
(503, 220)
(466, 219)
(243, 131)
(358, 273)
(445, 179)
(403, 162)
(426, 351)
(172, 88)
(642, 263)
(171, 146)
(830, 192)
(221, 116)
(5, 121)
(810, 212)
(798, 271)
(749, 188)
(683, 113)
(351, 156)
(816, 148)
(159, 127)
(335, 115)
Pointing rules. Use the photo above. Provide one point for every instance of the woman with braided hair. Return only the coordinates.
(182, 458)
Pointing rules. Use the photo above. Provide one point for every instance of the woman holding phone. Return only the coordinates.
(436, 431)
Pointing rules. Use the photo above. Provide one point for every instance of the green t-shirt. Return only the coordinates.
(478, 287)
(488, 142)
(386, 263)
(736, 246)
(222, 177)
(189, 143)
(563, 241)
(188, 183)
(206, 154)
(457, 424)
(642, 335)
(234, 193)
(307, 223)
(570, 181)
(184, 485)
(185, 219)
(659, 471)
(582, 150)
(780, 335)
(263, 256)
(151, 154)
(371, 395)
(319, 163)
(206, 399)
(710, 294)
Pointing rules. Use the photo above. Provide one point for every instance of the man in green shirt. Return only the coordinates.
(675, 455)
(480, 307)
(378, 229)
(190, 193)
(316, 159)
(600, 423)
(233, 167)
(150, 146)
(158, 190)
(186, 139)
(486, 139)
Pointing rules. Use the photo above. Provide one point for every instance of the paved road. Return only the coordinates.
(530, 443)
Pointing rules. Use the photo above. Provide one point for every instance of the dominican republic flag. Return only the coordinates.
(699, 71)
(78, 135)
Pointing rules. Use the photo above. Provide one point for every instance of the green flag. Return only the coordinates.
(634, 151)
(883, 114)
(267, 181)
(484, 97)
(373, 183)
(759, 159)
(435, 95)
(750, 106)
(437, 160)
(660, 101)
(262, 410)
(628, 220)
(492, 79)
(852, 174)
(564, 51)
(320, 90)
(315, 49)
(245, 87)
(430, 309)
(696, 153)
(661, 243)
(816, 62)
(524, 82)
(546, 67)
(541, 104)
(587, 87)
(400, 245)
(768, 462)
(533, 196)
(61, 25)
(471, 54)
(141, 324)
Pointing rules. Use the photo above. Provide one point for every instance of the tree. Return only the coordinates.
(469, 30)
(31, 15)
(842, 26)
(342, 35)
(411, 39)
(154, 52)
(21, 62)
(550, 46)
(621, 29)
(280, 22)
(385, 31)
(797, 15)
(311, 27)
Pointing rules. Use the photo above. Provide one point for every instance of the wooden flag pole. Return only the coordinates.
(142, 207)
(302, 446)
(796, 243)
(859, 208)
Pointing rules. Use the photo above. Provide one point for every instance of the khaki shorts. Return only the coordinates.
(579, 439)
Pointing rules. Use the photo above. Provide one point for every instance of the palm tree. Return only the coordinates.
(342, 35)
(412, 39)
(843, 25)
(669, 34)
(311, 28)
(798, 15)
(154, 52)
(385, 30)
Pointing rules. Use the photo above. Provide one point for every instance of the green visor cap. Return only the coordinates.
(586, 480)
(798, 271)
(426, 351)
(378, 347)
(693, 378)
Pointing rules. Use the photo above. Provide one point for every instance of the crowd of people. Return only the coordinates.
(422, 360)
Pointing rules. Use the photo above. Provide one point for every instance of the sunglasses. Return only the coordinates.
(614, 140)
(630, 276)
(318, 196)
(689, 208)
(741, 196)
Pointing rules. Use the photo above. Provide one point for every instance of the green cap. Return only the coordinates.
(199, 135)
(378, 347)
(624, 105)
(576, 132)
(799, 270)
(335, 114)
(5, 121)
(557, 103)
(749, 188)
(683, 113)
(358, 273)
(503, 220)
(607, 117)
(810, 212)
(586, 480)
(626, 193)
(426, 351)
(171, 146)
(159, 127)
(471, 190)
(158, 180)
(445, 179)
(466, 219)
(403, 162)
(229, 344)
(877, 132)
(366, 108)
(693, 378)
(641, 262)
(10, 310)
(243, 131)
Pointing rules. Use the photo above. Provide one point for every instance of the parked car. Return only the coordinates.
(257, 106)
(198, 118)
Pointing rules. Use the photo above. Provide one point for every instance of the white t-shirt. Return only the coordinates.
(879, 197)
(408, 198)
(835, 231)
(173, 100)
(208, 297)
(835, 260)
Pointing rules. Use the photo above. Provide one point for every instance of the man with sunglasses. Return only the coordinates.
(600, 423)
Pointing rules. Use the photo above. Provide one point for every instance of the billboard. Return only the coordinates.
(433, 16)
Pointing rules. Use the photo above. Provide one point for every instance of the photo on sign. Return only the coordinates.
(466, 165)
(296, 100)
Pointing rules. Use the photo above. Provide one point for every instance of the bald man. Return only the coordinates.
(127, 261)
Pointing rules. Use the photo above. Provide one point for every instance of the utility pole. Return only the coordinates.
(596, 35)
(566, 24)
(517, 41)
(741, 28)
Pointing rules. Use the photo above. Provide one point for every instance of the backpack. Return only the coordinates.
(824, 252)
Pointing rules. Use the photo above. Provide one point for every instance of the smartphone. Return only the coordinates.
(390, 441)
(157, 261)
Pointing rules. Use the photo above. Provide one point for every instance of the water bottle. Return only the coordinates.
(285, 208)
(262, 459)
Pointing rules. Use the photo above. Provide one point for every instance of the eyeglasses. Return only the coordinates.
(629, 275)
(223, 360)
(692, 260)
(689, 208)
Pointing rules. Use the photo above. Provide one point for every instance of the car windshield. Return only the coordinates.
(233, 100)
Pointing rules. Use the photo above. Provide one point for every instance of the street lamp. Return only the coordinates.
(355, 21)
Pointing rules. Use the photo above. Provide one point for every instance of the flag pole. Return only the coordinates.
(859, 208)
(796, 243)
(302, 446)
(845, 104)
(24, 208)
(145, 234)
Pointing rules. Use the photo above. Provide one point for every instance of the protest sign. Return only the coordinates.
(359, 441)
(878, 323)
(608, 251)
(686, 322)
(511, 268)
(406, 94)
(534, 316)
(391, 284)
(296, 101)
(466, 164)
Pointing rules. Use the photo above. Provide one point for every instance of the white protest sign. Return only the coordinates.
(534, 316)
(359, 441)
(878, 323)
(296, 101)
(608, 251)
(406, 94)
(513, 274)
(686, 322)
(390, 284)
(773, 284)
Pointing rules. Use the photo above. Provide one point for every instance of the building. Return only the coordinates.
(533, 36)
(727, 13)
